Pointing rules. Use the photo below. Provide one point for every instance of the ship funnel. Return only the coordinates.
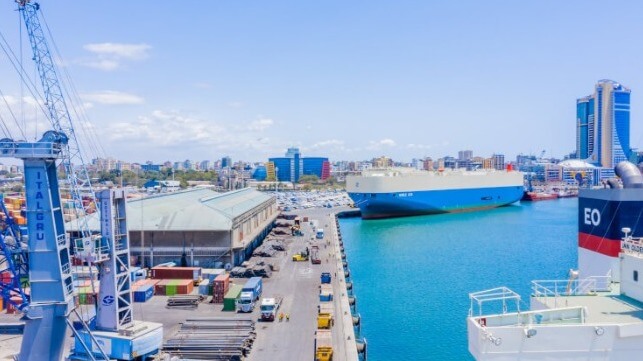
(629, 174)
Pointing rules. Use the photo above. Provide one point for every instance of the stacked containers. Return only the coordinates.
(230, 299)
(220, 288)
(174, 287)
(87, 294)
(211, 273)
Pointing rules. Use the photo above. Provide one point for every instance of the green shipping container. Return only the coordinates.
(170, 290)
(230, 298)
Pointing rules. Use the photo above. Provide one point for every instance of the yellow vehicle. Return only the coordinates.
(325, 318)
(323, 345)
(300, 257)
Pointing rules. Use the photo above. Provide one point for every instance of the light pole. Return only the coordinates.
(276, 180)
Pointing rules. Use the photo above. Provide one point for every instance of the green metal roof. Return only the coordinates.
(193, 210)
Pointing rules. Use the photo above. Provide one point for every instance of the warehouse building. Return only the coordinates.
(197, 227)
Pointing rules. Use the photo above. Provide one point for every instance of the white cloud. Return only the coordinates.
(112, 98)
(335, 143)
(11, 100)
(260, 125)
(110, 56)
(167, 129)
(235, 104)
(379, 144)
(102, 64)
(120, 51)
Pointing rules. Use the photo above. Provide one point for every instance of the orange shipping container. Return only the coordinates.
(184, 287)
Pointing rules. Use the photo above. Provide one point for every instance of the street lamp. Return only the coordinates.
(276, 180)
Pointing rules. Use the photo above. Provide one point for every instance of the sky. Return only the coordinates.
(349, 80)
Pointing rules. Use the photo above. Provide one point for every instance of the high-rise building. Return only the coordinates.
(291, 167)
(465, 154)
(603, 124)
(226, 162)
(584, 117)
(498, 161)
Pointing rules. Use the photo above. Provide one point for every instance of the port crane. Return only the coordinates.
(47, 314)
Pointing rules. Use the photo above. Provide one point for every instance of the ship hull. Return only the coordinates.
(402, 204)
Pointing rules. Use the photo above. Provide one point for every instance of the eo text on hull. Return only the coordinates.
(404, 192)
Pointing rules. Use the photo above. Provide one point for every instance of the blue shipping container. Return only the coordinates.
(144, 293)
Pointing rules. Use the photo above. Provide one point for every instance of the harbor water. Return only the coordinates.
(412, 276)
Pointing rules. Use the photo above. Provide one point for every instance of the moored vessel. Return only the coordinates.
(384, 193)
(538, 196)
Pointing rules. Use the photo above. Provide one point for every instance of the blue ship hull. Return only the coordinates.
(400, 204)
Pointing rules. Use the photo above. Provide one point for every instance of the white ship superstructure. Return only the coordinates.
(596, 314)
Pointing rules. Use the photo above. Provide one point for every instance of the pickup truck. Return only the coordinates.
(269, 307)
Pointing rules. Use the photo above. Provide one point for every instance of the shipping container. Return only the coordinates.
(159, 288)
(191, 273)
(204, 287)
(143, 293)
(183, 287)
(230, 299)
(211, 273)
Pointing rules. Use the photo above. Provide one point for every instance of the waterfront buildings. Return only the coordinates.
(291, 167)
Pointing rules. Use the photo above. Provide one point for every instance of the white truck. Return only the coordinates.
(269, 307)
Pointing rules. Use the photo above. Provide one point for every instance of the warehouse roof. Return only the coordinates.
(193, 210)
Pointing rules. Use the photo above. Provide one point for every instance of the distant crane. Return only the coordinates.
(542, 154)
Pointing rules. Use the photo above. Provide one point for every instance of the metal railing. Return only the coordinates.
(556, 289)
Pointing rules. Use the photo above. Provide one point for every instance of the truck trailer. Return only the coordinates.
(249, 294)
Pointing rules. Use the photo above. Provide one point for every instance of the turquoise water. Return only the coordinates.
(412, 276)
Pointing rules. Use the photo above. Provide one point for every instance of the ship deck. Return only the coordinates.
(602, 308)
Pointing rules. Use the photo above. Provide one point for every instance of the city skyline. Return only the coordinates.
(344, 81)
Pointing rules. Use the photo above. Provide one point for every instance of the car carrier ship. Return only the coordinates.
(595, 314)
(397, 192)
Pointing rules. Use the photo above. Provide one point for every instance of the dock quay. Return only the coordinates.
(292, 338)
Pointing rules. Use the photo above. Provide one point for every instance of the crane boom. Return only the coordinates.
(59, 116)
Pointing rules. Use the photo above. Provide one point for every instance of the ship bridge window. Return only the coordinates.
(635, 275)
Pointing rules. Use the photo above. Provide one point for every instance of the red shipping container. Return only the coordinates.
(221, 283)
(159, 288)
(186, 273)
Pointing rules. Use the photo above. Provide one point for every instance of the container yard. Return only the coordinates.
(204, 321)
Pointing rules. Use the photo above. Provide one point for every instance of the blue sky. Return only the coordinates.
(170, 80)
